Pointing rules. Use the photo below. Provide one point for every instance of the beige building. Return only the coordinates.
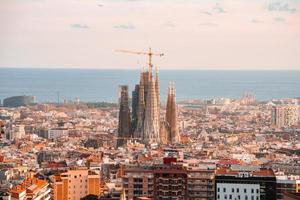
(75, 184)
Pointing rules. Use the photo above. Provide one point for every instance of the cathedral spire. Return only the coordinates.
(171, 116)
(141, 107)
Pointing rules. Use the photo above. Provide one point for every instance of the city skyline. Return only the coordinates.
(206, 105)
(241, 35)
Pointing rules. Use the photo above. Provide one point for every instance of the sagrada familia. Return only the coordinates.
(145, 123)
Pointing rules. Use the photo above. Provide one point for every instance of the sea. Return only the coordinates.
(101, 85)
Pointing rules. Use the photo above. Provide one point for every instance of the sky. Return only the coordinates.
(193, 34)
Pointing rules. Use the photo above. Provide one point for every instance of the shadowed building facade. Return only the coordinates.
(124, 129)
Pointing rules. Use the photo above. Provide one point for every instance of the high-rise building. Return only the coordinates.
(15, 131)
(124, 129)
(285, 115)
(75, 184)
(278, 116)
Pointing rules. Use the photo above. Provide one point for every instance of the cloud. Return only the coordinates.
(83, 26)
(206, 13)
(279, 19)
(256, 21)
(170, 24)
(218, 9)
(209, 24)
(127, 26)
(281, 6)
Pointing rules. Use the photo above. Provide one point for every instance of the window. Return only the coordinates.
(252, 197)
(239, 197)
(218, 189)
(224, 189)
(218, 197)
(246, 197)
(230, 196)
(237, 190)
(252, 191)
(225, 196)
(232, 190)
(245, 190)
(257, 191)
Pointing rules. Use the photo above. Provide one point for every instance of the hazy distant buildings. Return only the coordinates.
(15, 131)
(285, 115)
(17, 101)
(57, 133)
(124, 129)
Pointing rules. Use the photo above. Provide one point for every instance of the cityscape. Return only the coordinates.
(141, 149)
(89, 111)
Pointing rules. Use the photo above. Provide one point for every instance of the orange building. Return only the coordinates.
(31, 188)
(75, 184)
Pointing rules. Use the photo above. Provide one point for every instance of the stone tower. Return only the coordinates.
(151, 122)
(171, 117)
(124, 129)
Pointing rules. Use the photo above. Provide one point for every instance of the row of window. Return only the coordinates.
(238, 197)
(237, 190)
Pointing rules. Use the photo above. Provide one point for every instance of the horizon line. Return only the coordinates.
(160, 69)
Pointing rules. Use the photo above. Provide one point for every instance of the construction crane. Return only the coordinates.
(149, 53)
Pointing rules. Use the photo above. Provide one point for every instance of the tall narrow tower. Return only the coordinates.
(134, 105)
(124, 129)
(138, 133)
(157, 95)
(151, 123)
(171, 116)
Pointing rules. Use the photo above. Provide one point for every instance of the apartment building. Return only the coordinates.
(245, 185)
(75, 184)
